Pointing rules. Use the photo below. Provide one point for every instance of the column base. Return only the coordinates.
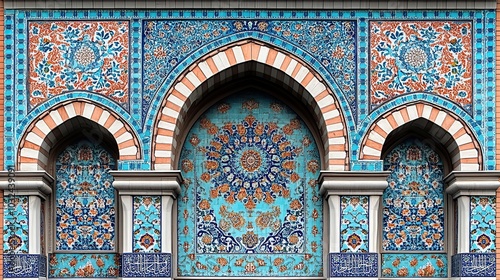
(146, 265)
(24, 266)
(476, 265)
(344, 265)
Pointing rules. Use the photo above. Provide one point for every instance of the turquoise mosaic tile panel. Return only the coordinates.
(250, 204)
(147, 224)
(84, 265)
(414, 265)
(84, 198)
(413, 203)
(16, 226)
(354, 224)
(482, 224)
(78, 55)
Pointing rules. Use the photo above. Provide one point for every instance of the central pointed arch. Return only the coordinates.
(276, 64)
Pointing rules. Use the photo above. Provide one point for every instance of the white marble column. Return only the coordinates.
(333, 185)
(165, 184)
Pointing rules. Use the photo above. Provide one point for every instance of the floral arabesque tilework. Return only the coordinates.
(78, 55)
(84, 265)
(354, 224)
(147, 224)
(167, 43)
(414, 265)
(421, 56)
(413, 203)
(85, 199)
(250, 204)
(482, 224)
(16, 226)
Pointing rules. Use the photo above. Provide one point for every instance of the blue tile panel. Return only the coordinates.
(250, 204)
(84, 198)
(24, 266)
(482, 224)
(473, 265)
(336, 44)
(413, 203)
(16, 224)
(354, 224)
(147, 224)
(84, 265)
(353, 265)
(146, 265)
(414, 266)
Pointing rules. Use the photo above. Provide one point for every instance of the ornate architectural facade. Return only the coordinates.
(321, 141)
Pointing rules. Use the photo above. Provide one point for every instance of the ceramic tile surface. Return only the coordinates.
(474, 265)
(16, 227)
(147, 224)
(482, 224)
(78, 55)
(354, 224)
(414, 265)
(84, 265)
(85, 199)
(23, 266)
(146, 265)
(421, 56)
(250, 204)
(413, 203)
(354, 265)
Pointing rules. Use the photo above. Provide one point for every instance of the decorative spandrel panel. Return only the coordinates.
(78, 55)
(354, 224)
(147, 224)
(249, 205)
(16, 224)
(421, 56)
(85, 198)
(413, 205)
(482, 224)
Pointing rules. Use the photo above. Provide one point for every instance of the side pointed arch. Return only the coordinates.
(60, 121)
(460, 142)
(281, 67)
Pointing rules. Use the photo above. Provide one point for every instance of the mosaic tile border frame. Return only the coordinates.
(484, 71)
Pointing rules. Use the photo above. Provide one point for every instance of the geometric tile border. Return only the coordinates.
(145, 265)
(473, 265)
(353, 265)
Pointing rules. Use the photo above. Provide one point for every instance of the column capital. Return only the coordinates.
(472, 183)
(352, 183)
(37, 183)
(147, 182)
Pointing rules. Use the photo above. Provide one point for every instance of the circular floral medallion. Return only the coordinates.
(415, 57)
(85, 56)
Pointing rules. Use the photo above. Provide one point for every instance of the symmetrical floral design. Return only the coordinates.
(15, 228)
(482, 224)
(168, 43)
(84, 265)
(414, 265)
(250, 204)
(147, 224)
(354, 224)
(414, 201)
(85, 198)
(78, 55)
(421, 56)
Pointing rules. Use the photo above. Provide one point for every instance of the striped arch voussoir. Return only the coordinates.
(44, 132)
(327, 107)
(466, 154)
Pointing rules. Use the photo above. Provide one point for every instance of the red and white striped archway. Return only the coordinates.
(465, 151)
(52, 126)
(285, 67)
